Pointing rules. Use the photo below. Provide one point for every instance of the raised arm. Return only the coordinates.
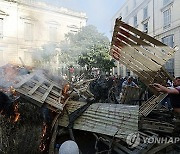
(164, 89)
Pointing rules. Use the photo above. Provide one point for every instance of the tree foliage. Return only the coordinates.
(88, 48)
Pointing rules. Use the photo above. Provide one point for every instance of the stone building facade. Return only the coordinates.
(28, 24)
(158, 18)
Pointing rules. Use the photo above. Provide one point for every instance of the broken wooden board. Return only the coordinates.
(140, 53)
(82, 88)
(39, 90)
(151, 104)
(130, 95)
(155, 125)
(111, 119)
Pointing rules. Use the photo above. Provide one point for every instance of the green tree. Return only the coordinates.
(87, 48)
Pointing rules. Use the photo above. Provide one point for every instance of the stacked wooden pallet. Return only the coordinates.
(143, 55)
(40, 90)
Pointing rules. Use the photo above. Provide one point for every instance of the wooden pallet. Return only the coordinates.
(39, 90)
(130, 95)
(140, 53)
(151, 104)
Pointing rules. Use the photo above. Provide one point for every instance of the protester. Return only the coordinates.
(173, 92)
(129, 82)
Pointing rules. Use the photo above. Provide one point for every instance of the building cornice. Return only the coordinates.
(44, 6)
(2, 13)
(166, 7)
(166, 31)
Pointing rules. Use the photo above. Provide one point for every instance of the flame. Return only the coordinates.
(15, 114)
(12, 90)
(66, 88)
(42, 145)
(16, 117)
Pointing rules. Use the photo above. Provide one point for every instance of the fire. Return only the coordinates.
(43, 137)
(10, 108)
(16, 114)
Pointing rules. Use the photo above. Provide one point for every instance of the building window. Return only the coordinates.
(126, 10)
(167, 18)
(28, 31)
(145, 27)
(135, 20)
(168, 40)
(1, 28)
(145, 13)
(165, 2)
(53, 33)
(134, 3)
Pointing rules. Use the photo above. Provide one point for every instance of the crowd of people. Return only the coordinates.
(106, 84)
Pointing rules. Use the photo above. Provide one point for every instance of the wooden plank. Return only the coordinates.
(37, 96)
(146, 108)
(42, 91)
(59, 101)
(138, 56)
(128, 62)
(46, 87)
(144, 36)
(47, 93)
(150, 49)
(162, 57)
(141, 66)
(131, 68)
(142, 78)
(35, 87)
(141, 42)
(24, 81)
(98, 124)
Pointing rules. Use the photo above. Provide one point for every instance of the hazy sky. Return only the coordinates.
(99, 12)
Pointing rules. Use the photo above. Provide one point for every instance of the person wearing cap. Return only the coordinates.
(173, 92)
(69, 147)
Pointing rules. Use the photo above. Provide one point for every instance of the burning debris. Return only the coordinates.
(48, 111)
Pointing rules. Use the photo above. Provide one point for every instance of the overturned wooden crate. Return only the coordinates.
(40, 91)
(110, 119)
(143, 55)
(130, 95)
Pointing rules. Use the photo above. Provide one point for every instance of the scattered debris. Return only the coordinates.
(51, 107)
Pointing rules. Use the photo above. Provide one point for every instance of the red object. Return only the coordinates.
(71, 70)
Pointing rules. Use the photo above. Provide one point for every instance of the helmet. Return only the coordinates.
(69, 147)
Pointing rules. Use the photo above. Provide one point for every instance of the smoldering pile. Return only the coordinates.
(25, 134)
